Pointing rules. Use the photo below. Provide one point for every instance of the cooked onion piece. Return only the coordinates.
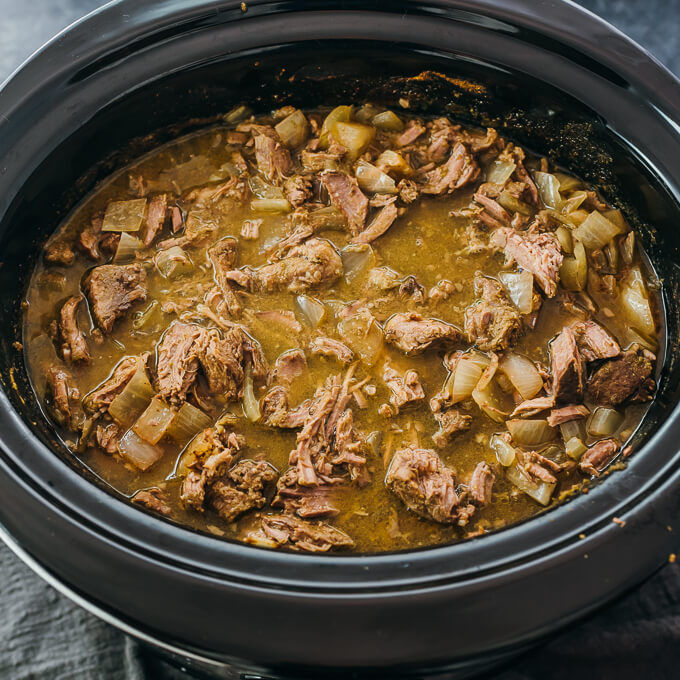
(124, 215)
(527, 432)
(539, 491)
(523, 374)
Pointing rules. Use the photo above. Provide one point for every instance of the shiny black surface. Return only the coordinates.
(60, 106)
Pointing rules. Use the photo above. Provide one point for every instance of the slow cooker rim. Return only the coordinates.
(153, 523)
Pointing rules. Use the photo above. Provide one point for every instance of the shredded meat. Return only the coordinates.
(567, 368)
(413, 334)
(594, 342)
(405, 389)
(273, 158)
(112, 289)
(186, 348)
(566, 413)
(409, 135)
(347, 196)
(106, 437)
(329, 347)
(156, 214)
(309, 502)
(598, 456)
(537, 252)
(213, 451)
(289, 365)
(493, 322)
(241, 489)
(460, 169)
(73, 343)
(426, 486)
(531, 407)
(628, 377)
(276, 413)
(451, 422)
(59, 252)
(291, 531)
(481, 484)
(381, 223)
(65, 398)
(298, 190)
(223, 257)
(311, 263)
(316, 453)
(153, 499)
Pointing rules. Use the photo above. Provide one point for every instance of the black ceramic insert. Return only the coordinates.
(141, 71)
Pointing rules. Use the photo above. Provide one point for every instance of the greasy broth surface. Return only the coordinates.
(425, 242)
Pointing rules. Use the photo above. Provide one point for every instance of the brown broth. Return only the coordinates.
(424, 242)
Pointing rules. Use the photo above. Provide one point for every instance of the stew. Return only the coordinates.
(352, 329)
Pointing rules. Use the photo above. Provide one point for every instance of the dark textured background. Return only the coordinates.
(43, 636)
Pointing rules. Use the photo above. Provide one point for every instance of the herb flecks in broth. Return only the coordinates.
(343, 330)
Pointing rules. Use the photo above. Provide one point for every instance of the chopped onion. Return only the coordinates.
(293, 129)
(124, 215)
(251, 406)
(391, 161)
(374, 181)
(144, 316)
(362, 333)
(513, 204)
(311, 310)
(388, 121)
(173, 262)
(263, 190)
(530, 432)
(549, 189)
(461, 383)
(188, 421)
(523, 374)
(567, 182)
(571, 429)
(616, 216)
(574, 201)
(356, 260)
(237, 114)
(328, 217)
(273, 205)
(355, 137)
(137, 451)
(539, 491)
(575, 448)
(338, 114)
(596, 231)
(604, 422)
(127, 248)
(499, 172)
(564, 237)
(577, 217)
(151, 426)
(489, 401)
(520, 287)
(636, 303)
(504, 451)
(135, 397)
(569, 274)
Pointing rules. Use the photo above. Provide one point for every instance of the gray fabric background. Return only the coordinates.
(45, 636)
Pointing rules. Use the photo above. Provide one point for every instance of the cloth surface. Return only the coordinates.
(43, 636)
